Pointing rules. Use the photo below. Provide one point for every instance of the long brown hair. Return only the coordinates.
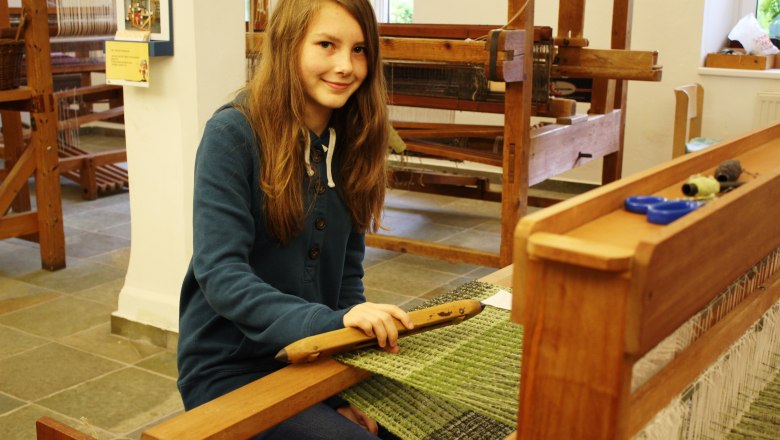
(275, 108)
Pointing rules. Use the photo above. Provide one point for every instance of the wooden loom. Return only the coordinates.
(39, 159)
(527, 156)
(76, 36)
(596, 287)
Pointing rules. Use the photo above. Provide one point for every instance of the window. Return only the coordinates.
(394, 11)
(768, 15)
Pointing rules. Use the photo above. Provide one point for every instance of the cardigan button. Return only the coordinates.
(316, 156)
(319, 223)
(314, 252)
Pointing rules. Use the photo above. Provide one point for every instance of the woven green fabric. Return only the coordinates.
(466, 375)
(762, 421)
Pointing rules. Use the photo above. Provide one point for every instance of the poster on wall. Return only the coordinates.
(138, 19)
(127, 63)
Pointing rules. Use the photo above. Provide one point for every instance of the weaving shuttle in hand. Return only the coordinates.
(348, 339)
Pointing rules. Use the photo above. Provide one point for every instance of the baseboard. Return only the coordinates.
(154, 335)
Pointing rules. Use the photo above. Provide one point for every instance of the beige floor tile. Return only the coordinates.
(119, 402)
(20, 424)
(121, 230)
(489, 226)
(474, 239)
(436, 264)
(16, 295)
(403, 226)
(13, 342)
(409, 199)
(79, 274)
(100, 341)
(481, 272)
(58, 318)
(375, 256)
(48, 369)
(119, 258)
(8, 403)
(85, 244)
(96, 220)
(459, 220)
(470, 207)
(163, 363)
(404, 279)
(385, 297)
(107, 293)
(19, 257)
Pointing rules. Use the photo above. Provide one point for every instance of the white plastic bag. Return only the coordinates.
(749, 33)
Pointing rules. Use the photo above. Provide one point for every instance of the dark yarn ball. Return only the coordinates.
(728, 171)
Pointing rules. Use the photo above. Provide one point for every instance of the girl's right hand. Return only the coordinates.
(377, 320)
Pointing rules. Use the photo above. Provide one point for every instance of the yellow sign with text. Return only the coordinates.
(127, 63)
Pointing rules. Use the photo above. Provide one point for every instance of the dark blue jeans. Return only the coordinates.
(320, 422)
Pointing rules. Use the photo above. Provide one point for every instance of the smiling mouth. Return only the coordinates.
(337, 86)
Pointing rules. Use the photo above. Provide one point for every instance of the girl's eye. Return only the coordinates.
(325, 44)
(359, 50)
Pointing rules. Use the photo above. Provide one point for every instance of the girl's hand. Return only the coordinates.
(360, 418)
(377, 320)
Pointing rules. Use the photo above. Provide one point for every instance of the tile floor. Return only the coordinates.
(58, 357)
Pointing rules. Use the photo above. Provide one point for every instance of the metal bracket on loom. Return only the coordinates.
(509, 67)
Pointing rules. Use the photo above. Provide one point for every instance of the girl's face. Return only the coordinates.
(332, 63)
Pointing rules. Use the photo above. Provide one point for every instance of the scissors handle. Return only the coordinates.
(667, 212)
(639, 204)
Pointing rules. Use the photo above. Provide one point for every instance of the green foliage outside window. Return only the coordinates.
(401, 11)
(767, 11)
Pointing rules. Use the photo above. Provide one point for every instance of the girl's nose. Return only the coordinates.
(343, 62)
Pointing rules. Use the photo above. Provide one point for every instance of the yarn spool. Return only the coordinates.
(728, 171)
(701, 186)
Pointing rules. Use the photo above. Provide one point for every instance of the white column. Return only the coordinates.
(163, 125)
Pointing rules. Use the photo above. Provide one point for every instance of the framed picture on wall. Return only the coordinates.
(152, 16)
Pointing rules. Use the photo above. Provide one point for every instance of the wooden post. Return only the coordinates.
(44, 138)
(517, 143)
(622, 15)
(571, 22)
(13, 136)
(577, 392)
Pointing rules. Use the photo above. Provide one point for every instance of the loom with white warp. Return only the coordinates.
(639, 329)
(78, 30)
(631, 329)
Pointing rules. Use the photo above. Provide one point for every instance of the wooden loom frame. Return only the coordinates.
(597, 287)
(531, 156)
(39, 159)
(94, 172)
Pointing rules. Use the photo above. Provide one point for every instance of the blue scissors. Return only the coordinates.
(660, 210)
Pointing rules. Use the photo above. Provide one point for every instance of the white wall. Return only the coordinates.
(163, 125)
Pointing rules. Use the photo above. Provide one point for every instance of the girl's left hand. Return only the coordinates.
(360, 418)
(376, 320)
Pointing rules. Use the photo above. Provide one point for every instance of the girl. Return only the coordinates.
(288, 179)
